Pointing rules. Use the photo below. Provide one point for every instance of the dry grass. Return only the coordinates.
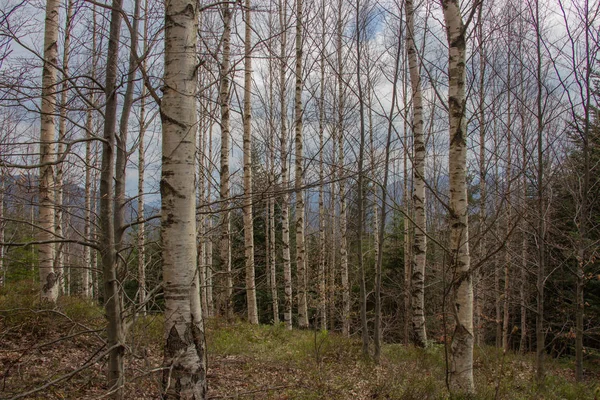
(38, 345)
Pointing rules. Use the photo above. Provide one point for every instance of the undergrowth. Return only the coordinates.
(262, 362)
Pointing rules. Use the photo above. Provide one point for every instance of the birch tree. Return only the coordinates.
(185, 356)
(299, 173)
(60, 147)
(248, 219)
(224, 98)
(285, 174)
(461, 363)
(48, 276)
(420, 238)
(341, 175)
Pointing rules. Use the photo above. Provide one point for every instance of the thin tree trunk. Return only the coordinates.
(332, 272)
(582, 256)
(185, 355)
(285, 175)
(378, 332)
(89, 268)
(270, 257)
(406, 205)
(48, 276)
(141, 238)
(321, 269)
(248, 220)
(299, 160)
(60, 149)
(478, 276)
(2, 226)
(224, 98)
(508, 222)
(112, 294)
(541, 209)
(87, 229)
(203, 121)
(208, 221)
(122, 154)
(360, 187)
(342, 177)
(461, 368)
(419, 152)
(524, 193)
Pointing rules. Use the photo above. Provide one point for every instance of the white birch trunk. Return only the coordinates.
(407, 209)
(419, 152)
(185, 356)
(342, 177)
(141, 238)
(299, 160)
(60, 149)
(321, 268)
(224, 98)
(461, 363)
(285, 174)
(478, 276)
(46, 251)
(247, 208)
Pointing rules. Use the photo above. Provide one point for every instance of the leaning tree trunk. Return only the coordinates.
(48, 277)
(247, 208)
(298, 113)
(461, 368)
(185, 356)
(420, 238)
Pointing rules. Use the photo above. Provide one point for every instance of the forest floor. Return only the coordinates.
(65, 345)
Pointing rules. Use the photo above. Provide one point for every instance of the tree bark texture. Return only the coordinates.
(419, 333)
(48, 276)
(112, 294)
(224, 99)
(461, 365)
(185, 355)
(299, 174)
(247, 207)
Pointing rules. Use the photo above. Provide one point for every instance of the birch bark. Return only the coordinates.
(224, 98)
(420, 238)
(299, 174)
(461, 365)
(247, 208)
(185, 356)
(285, 174)
(60, 149)
(46, 251)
